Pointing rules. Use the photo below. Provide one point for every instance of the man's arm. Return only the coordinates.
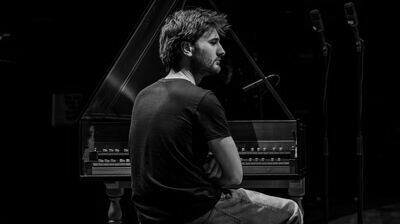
(227, 157)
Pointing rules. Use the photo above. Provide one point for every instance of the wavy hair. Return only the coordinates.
(187, 25)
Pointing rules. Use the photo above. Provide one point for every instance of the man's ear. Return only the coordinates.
(187, 48)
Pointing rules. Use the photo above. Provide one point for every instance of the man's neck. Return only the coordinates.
(181, 74)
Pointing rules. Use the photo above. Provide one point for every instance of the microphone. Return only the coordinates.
(318, 26)
(261, 81)
(352, 21)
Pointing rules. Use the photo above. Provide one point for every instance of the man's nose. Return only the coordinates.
(220, 51)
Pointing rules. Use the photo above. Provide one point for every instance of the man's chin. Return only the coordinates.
(217, 69)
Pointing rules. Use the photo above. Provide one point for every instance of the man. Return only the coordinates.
(183, 157)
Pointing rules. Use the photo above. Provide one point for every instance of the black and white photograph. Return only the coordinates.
(200, 111)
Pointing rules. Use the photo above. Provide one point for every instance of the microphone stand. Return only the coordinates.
(327, 59)
(318, 27)
(257, 84)
(352, 21)
(263, 78)
(360, 141)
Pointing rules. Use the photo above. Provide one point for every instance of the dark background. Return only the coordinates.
(68, 47)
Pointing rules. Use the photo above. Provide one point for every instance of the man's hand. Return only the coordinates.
(212, 167)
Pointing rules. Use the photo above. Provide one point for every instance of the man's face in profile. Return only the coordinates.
(208, 53)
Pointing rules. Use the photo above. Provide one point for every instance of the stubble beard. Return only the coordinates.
(205, 68)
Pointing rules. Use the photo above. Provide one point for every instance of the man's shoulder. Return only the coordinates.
(186, 88)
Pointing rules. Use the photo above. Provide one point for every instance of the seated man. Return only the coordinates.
(184, 160)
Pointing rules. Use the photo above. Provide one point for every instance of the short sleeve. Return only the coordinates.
(211, 116)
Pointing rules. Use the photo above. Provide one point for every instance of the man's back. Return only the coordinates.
(172, 121)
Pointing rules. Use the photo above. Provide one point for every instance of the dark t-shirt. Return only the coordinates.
(172, 121)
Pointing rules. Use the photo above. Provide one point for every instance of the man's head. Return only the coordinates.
(193, 33)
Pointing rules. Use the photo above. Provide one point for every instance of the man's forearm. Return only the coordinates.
(215, 172)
